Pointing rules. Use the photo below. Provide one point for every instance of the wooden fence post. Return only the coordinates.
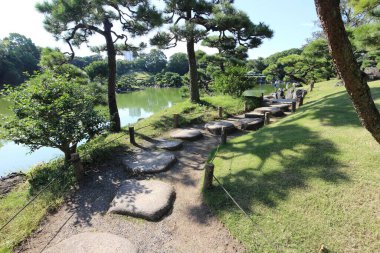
(132, 135)
(223, 136)
(294, 105)
(176, 120)
(220, 112)
(301, 99)
(78, 167)
(311, 86)
(267, 118)
(209, 176)
(245, 106)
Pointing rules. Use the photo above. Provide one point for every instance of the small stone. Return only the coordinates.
(215, 127)
(169, 144)
(149, 162)
(147, 199)
(93, 242)
(186, 134)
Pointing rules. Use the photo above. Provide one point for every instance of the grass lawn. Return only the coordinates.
(312, 178)
(158, 124)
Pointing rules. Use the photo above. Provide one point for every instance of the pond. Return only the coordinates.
(132, 106)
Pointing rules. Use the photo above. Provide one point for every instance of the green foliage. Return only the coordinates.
(313, 64)
(97, 69)
(51, 110)
(178, 63)
(234, 81)
(155, 61)
(18, 54)
(168, 79)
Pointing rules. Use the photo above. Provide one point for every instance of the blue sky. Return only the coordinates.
(291, 20)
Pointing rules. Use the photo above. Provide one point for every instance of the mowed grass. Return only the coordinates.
(312, 178)
(100, 150)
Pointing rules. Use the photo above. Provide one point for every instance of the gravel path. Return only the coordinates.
(190, 227)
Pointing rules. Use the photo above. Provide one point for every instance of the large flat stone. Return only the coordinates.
(272, 110)
(254, 115)
(169, 144)
(282, 107)
(215, 127)
(283, 101)
(186, 134)
(249, 123)
(147, 199)
(149, 162)
(93, 242)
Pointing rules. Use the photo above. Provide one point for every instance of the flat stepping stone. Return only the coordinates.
(169, 144)
(272, 110)
(282, 107)
(283, 101)
(215, 127)
(94, 242)
(249, 123)
(149, 162)
(147, 199)
(186, 134)
(254, 115)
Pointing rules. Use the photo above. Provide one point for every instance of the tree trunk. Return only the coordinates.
(194, 88)
(343, 56)
(111, 54)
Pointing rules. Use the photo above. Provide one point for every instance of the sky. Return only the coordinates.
(291, 20)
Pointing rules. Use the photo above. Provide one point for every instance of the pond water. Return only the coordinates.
(132, 106)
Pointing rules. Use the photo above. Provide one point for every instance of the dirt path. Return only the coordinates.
(190, 227)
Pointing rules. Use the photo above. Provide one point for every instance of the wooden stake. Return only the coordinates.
(176, 120)
(294, 105)
(267, 118)
(223, 136)
(132, 135)
(209, 176)
(220, 112)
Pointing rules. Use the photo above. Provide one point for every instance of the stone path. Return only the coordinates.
(189, 227)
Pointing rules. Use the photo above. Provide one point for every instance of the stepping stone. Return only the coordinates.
(147, 199)
(93, 242)
(186, 134)
(215, 127)
(169, 144)
(254, 115)
(282, 107)
(249, 123)
(149, 162)
(283, 101)
(272, 110)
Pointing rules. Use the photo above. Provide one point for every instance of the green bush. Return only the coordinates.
(234, 81)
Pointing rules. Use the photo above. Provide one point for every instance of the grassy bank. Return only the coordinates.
(310, 179)
(99, 150)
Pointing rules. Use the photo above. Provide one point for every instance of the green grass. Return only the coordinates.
(100, 150)
(312, 178)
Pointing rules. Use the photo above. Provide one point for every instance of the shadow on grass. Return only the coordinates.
(335, 109)
(295, 155)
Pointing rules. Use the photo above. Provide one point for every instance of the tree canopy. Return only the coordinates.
(51, 110)
(76, 21)
(18, 54)
(192, 21)
(178, 63)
